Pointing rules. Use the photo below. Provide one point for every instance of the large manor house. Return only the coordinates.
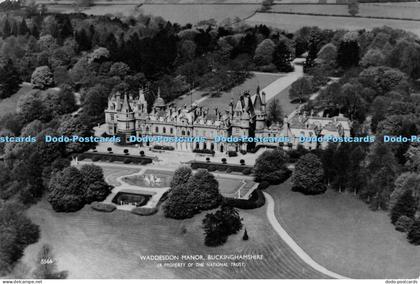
(127, 115)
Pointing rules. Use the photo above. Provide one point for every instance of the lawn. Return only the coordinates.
(9, 104)
(292, 23)
(222, 101)
(284, 101)
(394, 10)
(341, 233)
(92, 244)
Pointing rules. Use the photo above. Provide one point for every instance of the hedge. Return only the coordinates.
(160, 147)
(256, 200)
(113, 157)
(102, 207)
(144, 211)
(220, 166)
(204, 151)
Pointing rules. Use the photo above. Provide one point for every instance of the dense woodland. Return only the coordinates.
(95, 56)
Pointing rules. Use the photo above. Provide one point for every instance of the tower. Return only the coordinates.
(260, 111)
(125, 121)
(159, 103)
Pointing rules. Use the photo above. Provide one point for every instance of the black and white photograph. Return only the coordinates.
(213, 140)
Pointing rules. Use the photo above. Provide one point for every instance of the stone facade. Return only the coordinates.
(128, 115)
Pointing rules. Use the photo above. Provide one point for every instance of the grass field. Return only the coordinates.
(340, 232)
(292, 23)
(91, 244)
(392, 10)
(180, 13)
(184, 14)
(9, 104)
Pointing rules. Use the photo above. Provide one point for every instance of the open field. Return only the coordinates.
(341, 233)
(392, 10)
(8, 105)
(184, 14)
(179, 13)
(92, 244)
(292, 23)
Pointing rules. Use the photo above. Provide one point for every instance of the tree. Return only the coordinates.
(283, 55)
(353, 7)
(66, 190)
(204, 190)
(405, 206)
(266, 5)
(270, 167)
(219, 225)
(373, 57)
(308, 175)
(42, 78)
(245, 236)
(383, 79)
(7, 29)
(200, 192)
(404, 224)
(301, 89)
(71, 125)
(414, 235)
(348, 52)
(9, 78)
(16, 233)
(264, 52)
(274, 112)
(178, 206)
(405, 181)
(328, 53)
(119, 69)
(181, 176)
(96, 187)
(46, 266)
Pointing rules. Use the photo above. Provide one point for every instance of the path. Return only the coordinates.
(292, 244)
(282, 83)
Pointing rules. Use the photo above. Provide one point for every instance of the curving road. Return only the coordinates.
(292, 244)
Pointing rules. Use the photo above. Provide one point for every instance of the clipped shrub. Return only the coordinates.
(96, 158)
(224, 161)
(203, 151)
(102, 207)
(126, 152)
(232, 154)
(109, 149)
(242, 162)
(208, 160)
(142, 153)
(212, 168)
(404, 224)
(144, 211)
(246, 172)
